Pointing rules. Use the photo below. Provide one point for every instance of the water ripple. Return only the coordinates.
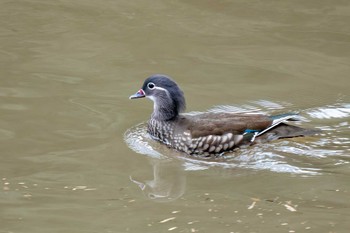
(329, 112)
(305, 156)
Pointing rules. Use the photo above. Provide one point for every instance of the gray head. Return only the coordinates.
(168, 98)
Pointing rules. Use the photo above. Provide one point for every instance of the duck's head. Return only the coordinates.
(166, 95)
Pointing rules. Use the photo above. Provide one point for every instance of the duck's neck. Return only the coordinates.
(164, 111)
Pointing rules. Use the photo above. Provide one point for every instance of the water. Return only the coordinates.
(294, 156)
(75, 156)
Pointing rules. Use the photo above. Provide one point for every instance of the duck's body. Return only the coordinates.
(207, 133)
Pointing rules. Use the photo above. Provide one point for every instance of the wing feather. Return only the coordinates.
(221, 123)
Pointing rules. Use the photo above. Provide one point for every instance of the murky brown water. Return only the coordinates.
(75, 158)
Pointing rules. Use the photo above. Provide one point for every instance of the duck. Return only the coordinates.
(208, 133)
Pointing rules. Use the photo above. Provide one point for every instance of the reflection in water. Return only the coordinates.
(169, 180)
(168, 183)
(295, 156)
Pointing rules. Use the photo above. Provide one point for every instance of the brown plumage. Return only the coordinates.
(220, 123)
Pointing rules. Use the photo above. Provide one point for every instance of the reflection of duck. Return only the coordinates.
(168, 184)
(207, 133)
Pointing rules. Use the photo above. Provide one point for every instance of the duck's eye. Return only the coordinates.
(151, 86)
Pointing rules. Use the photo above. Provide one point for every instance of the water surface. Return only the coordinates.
(75, 156)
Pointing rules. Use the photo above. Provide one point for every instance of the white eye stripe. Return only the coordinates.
(153, 86)
(162, 89)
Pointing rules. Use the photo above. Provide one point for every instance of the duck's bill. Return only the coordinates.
(139, 94)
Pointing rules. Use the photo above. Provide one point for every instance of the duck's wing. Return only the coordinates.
(205, 124)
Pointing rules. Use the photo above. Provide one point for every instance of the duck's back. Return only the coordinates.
(205, 124)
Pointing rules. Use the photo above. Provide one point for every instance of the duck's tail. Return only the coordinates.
(280, 129)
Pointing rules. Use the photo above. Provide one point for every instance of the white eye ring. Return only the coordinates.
(151, 86)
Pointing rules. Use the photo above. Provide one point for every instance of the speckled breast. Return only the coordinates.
(161, 131)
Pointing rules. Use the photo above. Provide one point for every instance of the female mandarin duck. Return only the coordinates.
(207, 133)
